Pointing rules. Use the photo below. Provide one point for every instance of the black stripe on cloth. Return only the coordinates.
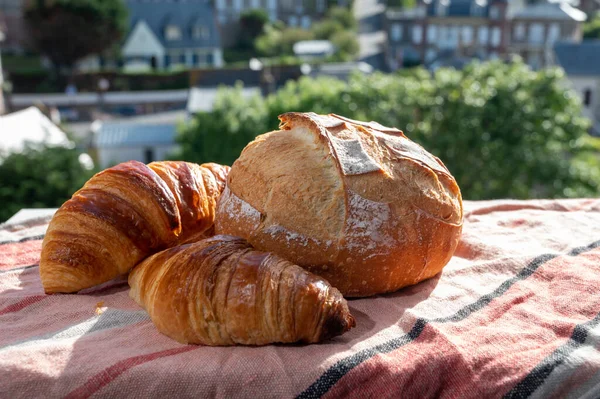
(36, 237)
(18, 269)
(331, 376)
(540, 373)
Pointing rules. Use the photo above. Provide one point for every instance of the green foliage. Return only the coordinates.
(402, 3)
(323, 30)
(39, 178)
(346, 44)
(220, 135)
(502, 129)
(274, 41)
(93, 26)
(252, 24)
(591, 29)
(343, 16)
(339, 27)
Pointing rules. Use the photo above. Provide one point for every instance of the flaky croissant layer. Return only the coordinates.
(122, 215)
(220, 291)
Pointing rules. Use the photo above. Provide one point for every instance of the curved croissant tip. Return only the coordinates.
(337, 323)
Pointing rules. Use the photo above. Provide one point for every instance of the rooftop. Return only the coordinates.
(556, 10)
(29, 126)
(579, 59)
(184, 14)
(131, 134)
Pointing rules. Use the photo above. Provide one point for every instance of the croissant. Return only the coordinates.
(220, 291)
(122, 215)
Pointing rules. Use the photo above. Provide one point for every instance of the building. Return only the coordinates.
(11, 17)
(472, 28)
(451, 32)
(537, 27)
(116, 142)
(581, 62)
(29, 127)
(168, 34)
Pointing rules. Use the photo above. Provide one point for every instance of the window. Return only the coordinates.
(553, 33)
(467, 34)
(587, 97)
(182, 58)
(431, 33)
(396, 32)
(534, 61)
(443, 37)
(172, 32)
(442, 8)
(305, 22)
(536, 33)
(482, 35)
(453, 37)
(430, 55)
(320, 5)
(167, 61)
(417, 34)
(237, 6)
(496, 36)
(293, 21)
(519, 31)
(494, 13)
(200, 32)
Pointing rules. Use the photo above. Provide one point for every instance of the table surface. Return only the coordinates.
(515, 313)
(30, 213)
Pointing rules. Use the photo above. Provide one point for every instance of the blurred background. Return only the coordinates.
(505, 92)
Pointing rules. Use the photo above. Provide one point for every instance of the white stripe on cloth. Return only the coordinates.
(583, 358)
(111, 318)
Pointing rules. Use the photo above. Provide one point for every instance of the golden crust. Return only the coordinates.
(123, 214)
(220, 291)
(357, 203)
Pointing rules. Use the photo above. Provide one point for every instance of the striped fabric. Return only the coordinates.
(516, 313)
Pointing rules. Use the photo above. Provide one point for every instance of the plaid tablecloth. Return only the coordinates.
(516, 313)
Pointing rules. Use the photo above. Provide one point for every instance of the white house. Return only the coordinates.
(29, 127)
(581, 62)
(117, 142)
(168, 34)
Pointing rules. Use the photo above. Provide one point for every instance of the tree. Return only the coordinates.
(402, 3)
(39, 178)
(221, 135)
(503, 130)
(252, 24)
(591, 29)
(69, 30)
(346, 45)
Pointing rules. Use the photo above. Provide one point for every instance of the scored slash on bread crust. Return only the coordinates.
(357, 203)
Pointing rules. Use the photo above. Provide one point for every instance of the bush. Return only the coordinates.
(277, 42)
(346, 45)
(591, 29)
(39, 178)
(502, 130)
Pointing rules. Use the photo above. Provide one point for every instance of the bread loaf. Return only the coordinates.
(357, 203)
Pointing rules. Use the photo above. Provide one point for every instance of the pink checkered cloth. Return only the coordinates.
(516, 313)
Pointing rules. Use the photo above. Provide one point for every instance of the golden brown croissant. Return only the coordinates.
(220, 291)
(122, 215)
